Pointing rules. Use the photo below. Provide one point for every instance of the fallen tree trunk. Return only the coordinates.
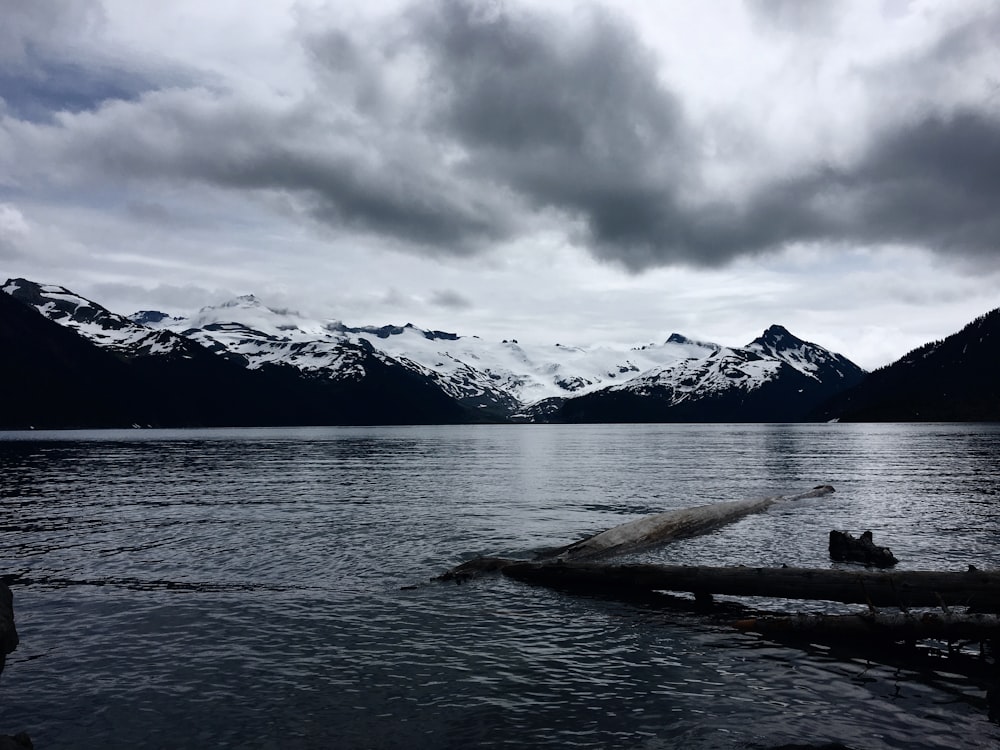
(671, 525)
(974, 588)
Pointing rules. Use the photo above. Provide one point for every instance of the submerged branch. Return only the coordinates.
(877, 625)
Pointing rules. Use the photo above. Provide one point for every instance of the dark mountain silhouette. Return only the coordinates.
(55, 378)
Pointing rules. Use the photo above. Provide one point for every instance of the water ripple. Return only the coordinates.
(242, 588)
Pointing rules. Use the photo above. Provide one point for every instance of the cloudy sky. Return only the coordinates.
(553, 171)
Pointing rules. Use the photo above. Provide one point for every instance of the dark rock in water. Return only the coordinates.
(8, 633)
(8, 642)
(845, 548)
(20, 741)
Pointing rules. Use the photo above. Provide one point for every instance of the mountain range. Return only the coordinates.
(77, 364)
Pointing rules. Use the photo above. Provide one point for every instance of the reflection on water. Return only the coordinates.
(243, 587)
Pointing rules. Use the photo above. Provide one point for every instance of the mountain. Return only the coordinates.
(494, 378)
(104, 328)
(775, 378)
(67, 349)
(244, 362)
(953, 380)
(54, 378)
(680, 379)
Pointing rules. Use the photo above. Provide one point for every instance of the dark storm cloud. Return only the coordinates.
(545, 112)
(575, 118)
(570, 114)
(518, 82)
(934, 183)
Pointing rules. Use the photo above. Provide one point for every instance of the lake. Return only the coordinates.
(270, 588)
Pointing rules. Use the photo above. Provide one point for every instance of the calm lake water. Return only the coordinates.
(244, 588)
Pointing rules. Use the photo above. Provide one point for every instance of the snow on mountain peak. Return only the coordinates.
(778, 343)
(503, 375)
(247, 316)
(62, 305)
(242, 301)
(92, 321)
(150, 318)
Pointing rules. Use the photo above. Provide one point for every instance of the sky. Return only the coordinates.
(560, 171)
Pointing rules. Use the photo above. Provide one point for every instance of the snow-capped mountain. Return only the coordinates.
(498, 376)
(809, 359)
(96, 323)
(64, 350)
(678, 378)
(777, 377)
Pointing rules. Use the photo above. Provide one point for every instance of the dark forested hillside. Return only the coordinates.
(957, 379)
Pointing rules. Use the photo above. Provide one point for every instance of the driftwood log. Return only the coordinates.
(573, 568)
(974, 588)
(671, 525)
(846, 548)
(640, 534)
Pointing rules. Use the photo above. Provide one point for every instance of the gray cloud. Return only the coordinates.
(934, 183)
(516, 118)
(45, 66)
(51, 86)
(44, 27)
(168, 298)
(13, 231)
(811, 16)
(450, 299)
(153, 213)
(572, 116)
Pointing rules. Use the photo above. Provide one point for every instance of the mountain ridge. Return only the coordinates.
(776, 377)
